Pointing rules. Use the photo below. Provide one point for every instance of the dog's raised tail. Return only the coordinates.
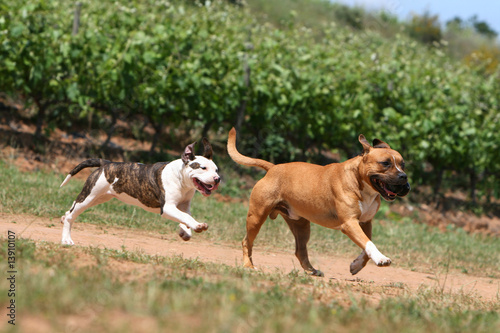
(242, 159)
(91, 163)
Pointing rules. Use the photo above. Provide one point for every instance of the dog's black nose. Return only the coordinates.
(217, 180)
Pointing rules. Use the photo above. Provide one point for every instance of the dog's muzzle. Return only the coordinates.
(405, 190)
(205, 188)
(389, 189)
(400, 190)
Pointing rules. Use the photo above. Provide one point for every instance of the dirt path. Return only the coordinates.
(43, 229)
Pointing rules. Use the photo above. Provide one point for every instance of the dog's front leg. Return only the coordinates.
(185, 232)
(171, 212)
(363, 258)
(354, 231)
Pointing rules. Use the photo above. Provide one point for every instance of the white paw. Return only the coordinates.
(375, 255)
(383, 261)
(201, 227)
(67, 241)
(184, 235)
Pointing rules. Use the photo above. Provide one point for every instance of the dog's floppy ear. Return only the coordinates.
(207, 149)
(380, 144)
(188, 154)
(365, 144)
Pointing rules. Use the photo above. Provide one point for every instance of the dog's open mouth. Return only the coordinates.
(204, 188)
(390, 191)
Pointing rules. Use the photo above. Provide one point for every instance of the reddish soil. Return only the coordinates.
(337, 268)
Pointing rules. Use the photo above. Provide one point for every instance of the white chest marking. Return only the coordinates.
(368, 206)
(368, 210)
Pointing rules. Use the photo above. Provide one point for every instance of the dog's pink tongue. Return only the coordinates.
(388, 191)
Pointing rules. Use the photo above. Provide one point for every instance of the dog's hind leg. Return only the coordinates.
(301, 230)
(262, 204)
(70, 216)
(257, 215)
(254, 223)
(363, 258)
(93, 193)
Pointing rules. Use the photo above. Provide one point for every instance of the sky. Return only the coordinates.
(486, 10)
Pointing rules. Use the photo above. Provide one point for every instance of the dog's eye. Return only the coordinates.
(385, 164)
(203, 168)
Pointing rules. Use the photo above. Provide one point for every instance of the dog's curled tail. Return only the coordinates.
(242, 159)
(91, 163)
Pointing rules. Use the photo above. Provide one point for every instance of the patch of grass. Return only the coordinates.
(174, 294)
(410, 244)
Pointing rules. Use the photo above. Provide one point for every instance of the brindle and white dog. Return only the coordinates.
(165, 187)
